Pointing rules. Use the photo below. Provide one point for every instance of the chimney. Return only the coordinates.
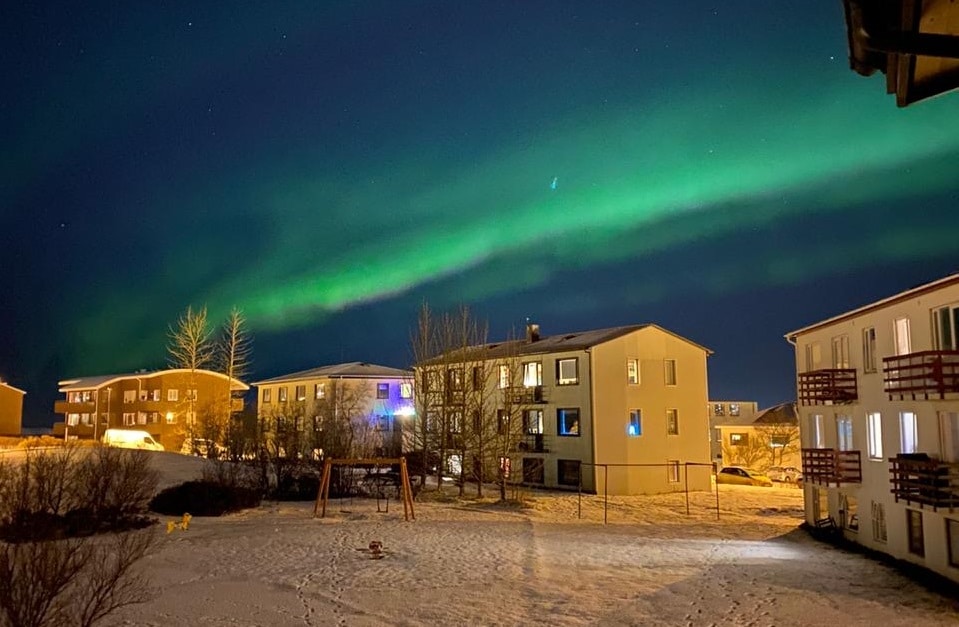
(532, 332)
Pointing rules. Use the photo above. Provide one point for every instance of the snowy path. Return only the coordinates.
(460, 565)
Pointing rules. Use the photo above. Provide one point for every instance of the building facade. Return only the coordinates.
(878, 392)
(727, 412)
(11, 409)
(763, 439)
(352, 409)
(619, 410)
(168, 404)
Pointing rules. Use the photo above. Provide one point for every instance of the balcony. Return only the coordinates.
(834, 386)
(920, 480)
(827, 466)
(523, 395)
(66, 407)
(532, 443)
(926, 374)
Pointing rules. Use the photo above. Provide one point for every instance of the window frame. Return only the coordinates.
(561, 413)
(914, 433)
(300, 393)
(319, 391)
(632, 371)
(267, 395)
(869, 350)
(915, 535)
(874, 435)
(173, 395)
(560, 380)
(635, 420)
(672, 421)
(670, 373)
(537, 374)
(673, 474)
(406, 390)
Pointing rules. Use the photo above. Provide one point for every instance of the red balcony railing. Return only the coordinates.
(830, 386)
(924, 481)
(827, 466)
(926, 374)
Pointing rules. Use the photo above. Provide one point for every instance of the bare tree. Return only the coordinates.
(233, 350)
(748, 453)
(190, 348)
(780, 441)
(426, 381)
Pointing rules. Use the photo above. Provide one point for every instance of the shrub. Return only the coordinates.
(204, 498)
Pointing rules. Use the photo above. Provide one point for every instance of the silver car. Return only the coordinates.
(788, 474)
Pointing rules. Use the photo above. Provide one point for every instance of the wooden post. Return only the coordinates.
(324, 491)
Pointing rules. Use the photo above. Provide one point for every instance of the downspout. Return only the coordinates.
(592, 423)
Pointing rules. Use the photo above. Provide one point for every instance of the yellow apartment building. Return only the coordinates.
(11, 409)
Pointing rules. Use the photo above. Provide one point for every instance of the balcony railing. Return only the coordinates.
(832, 386)
(523, 395)
(827, 466)
(68, 407)
(924, 481)
(532, 443)
(924, 374)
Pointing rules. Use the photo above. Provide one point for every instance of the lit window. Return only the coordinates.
(85, 419)
(874, 433)
(503, 377)
(129, 419)
(454, 379)
(844, 432)
(869, 349)
(406, 390)
(301, 392)
(533, 374)
(502, 422)
(382, 390)
(635, 426)
(173, 395)
(908, 432)
(191, 394)
(282, 394)
(734, 409)
(672, 422)
(673, 467)
(319, 391)
(267, 395)
(532, 421)
(170, 418)
(567, 422)
(73, 420)
(632, 371)
(141, 418)
(456, 422)
(143, 395)
(670, 367)
(567, 371)
(73, 397)
(130, 396)
(155, 395)
(738, 439)
(719, 409)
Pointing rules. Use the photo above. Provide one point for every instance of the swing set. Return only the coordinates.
(406, 492)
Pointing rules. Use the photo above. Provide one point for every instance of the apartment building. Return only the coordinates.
(302, 409)
(620, 410)
(727, 412)
(761, 439)
(11, 409)
(878, 391)
(165, 403)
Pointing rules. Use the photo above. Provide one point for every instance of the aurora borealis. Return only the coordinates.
(715, 168)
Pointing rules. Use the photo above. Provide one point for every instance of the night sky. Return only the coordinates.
(714, 167)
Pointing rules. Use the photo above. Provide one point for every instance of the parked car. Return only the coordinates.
(198, 447)
(131, 438)
(789, 474)
(743, 476)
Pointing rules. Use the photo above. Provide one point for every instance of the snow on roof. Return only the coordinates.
(7, 385)
(349, 370)
(95, 382)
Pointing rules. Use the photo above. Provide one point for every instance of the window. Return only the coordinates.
(567, 422)
(844, 433)
(503, 377)
(87, 396)
(143, 394)
(734, 409)
(85, 419)
(813, 356)
(282, 394)
(738, 439)
(141, 418)
(849, 512)
(567, 371)
(952, 539)
(533, 421)
(454, 379)
(301, 392)
(129, 419)
(874, 433)
(170, 418)
(502, 422)
(779, 441)
(908, 432)
(130, 396)
(173, 395)
(840, 351)
(635, 426)
(155, 395)
(719, 434)
(632, 371)
(477, 378)
(818, 431)
(319, 391)
(406, 390)
(945, 322)
(73, 420)
(383, 423)
(73, 397)
(267, 395)
(154, 417)
(869, 349)
(917, 543)
(719, 409)
(672, 422)
(672, 467)
(191, 394)
(879, 522)
(567, 472)
(949, 436)
(456, 422)
(533, 470)
(902, 336)
(670, 366)
(533, 374)
(477, 421)
(383, 390)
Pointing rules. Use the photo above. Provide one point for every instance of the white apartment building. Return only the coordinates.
(878, 392)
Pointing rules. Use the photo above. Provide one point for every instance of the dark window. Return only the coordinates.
(533, 470)
(567, 421)
(567, 472)
(567, 371)
(502, 422)
(301, 392)
(719, 409)
(952, 538)
(267, 395)
(477, 421)
(382, 390)
(917, 543)
(383, 423)
(477, 378)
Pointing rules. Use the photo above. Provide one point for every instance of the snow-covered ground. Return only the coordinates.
(467, 562)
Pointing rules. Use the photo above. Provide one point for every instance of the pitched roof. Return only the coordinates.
(563, 342)
(7, 385)
(782, 414)
(349, 370)
(95, 382)
(879, 304)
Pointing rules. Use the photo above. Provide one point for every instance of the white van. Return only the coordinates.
(131, 438)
